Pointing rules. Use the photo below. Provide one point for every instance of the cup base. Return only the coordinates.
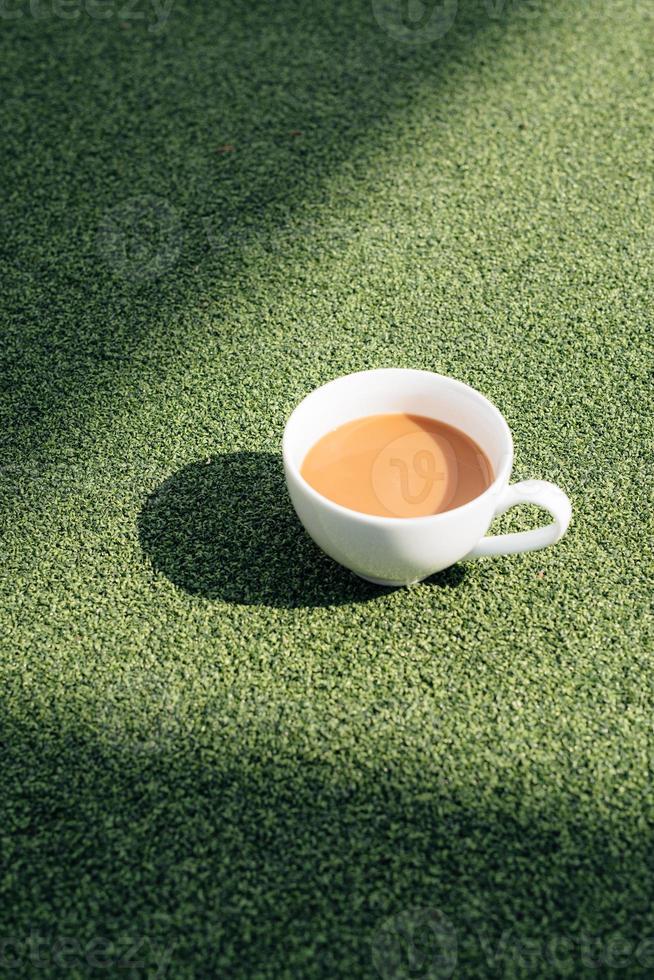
(386, 583)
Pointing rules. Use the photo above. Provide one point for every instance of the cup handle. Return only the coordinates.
(539, 492)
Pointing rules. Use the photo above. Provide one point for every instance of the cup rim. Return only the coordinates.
(498, 484)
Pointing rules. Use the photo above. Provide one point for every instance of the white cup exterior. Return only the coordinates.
(400, 551)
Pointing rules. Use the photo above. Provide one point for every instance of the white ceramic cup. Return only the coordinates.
(401, 550)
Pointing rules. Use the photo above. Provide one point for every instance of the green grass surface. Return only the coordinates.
(220, 754)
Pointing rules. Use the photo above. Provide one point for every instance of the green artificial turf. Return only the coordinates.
(221, 755)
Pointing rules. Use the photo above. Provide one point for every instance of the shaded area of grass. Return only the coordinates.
(143, 168)
(287, 863)
(225, 529)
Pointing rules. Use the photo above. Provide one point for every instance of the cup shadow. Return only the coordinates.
(226, 529)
